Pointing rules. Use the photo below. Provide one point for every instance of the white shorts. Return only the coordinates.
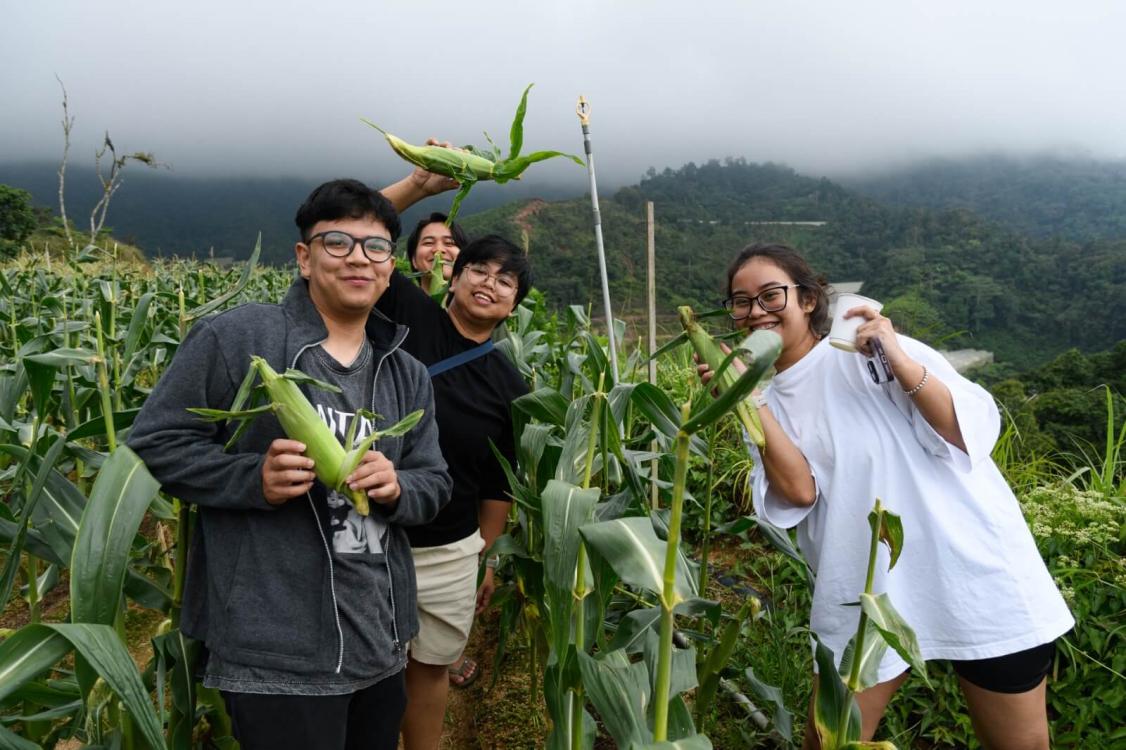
(447, 597)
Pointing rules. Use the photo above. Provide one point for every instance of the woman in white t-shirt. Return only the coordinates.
(970, 581)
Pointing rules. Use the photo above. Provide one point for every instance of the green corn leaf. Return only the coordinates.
(545, 404)
(637, 555)
(176, 655)
(679, 340)
(682, 679)
(766, 353)
(242, 395)
(225, 415)
(658, 408)
(513, 168)
(400, 428)
(64, 358)
(709, 672)
(42, 368)
(11, 564)
(782, 719)
(9, 740)
(566, 508)
(895, 631)
(890, 530)
(209, 307)
(103, 650)
(874, 649)
(118, 501)
(96, 426)
(694, 742)
(11, 391)
(620, 691)
(459, 196)
(302, 379)
(836, 716)
(140, 316)
(630, 635)
(516, 133)
(28, 653)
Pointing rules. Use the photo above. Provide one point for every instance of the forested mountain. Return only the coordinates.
(1076, 198)
(947, 276)
(170, 214)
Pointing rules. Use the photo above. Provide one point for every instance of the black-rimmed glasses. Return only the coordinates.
(340, 244)
(739, 306)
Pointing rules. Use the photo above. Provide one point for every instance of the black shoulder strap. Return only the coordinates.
(459, 359)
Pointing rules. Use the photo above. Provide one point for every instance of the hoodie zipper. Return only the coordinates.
(387, 550)
(324, 541)
(396, 644)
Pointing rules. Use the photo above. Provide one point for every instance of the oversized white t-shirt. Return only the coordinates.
(970, 580)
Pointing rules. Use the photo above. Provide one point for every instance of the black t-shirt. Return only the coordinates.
(473, 406)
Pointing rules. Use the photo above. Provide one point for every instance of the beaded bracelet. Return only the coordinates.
(922, 382)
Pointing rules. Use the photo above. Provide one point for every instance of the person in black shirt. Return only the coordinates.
(474, 386)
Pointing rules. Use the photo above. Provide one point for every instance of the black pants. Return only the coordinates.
(365, 720)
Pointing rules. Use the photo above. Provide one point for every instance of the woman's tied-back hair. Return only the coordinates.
(812, 288)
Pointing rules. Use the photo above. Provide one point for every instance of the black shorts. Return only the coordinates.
(1012, 673)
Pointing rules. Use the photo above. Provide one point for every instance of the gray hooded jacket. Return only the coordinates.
(260, 588)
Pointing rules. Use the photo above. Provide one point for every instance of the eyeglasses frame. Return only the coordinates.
(355, 241)
(757, 298)
(494, 277)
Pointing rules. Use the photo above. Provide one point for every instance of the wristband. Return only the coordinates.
(758, 399)
(492, 561)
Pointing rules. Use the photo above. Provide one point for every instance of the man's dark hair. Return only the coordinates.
(811, 287)
(461, 239)
(512, 260)
(346, 199)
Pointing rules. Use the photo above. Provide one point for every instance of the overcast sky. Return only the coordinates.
(276, 87)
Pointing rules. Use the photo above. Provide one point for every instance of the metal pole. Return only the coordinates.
(583, 111)
(654, 495)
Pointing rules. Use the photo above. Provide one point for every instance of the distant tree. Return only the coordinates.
(17, 218)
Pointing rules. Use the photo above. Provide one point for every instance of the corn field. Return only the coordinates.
(599, 570)
(600, 589)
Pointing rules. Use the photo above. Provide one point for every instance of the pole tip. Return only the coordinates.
(582, 109)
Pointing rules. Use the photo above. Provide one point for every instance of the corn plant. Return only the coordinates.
(836, 715)
(470, 165)
(605, 597)
(81, 348)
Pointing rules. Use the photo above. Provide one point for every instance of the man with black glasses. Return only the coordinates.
(474, 386)
(305, 606)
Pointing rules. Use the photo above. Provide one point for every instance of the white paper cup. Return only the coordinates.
(843, 333)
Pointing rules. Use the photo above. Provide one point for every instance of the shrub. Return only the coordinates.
(17, 218)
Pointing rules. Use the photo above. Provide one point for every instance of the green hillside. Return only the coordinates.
(948, 276)
(1077, 198)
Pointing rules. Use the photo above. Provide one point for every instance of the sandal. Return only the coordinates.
(463, 676)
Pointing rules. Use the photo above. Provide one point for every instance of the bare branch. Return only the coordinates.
(68, 123)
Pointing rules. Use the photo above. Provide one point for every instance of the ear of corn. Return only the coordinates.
(471, 165)
(331, 462)
(710, 354)
(449, 162)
